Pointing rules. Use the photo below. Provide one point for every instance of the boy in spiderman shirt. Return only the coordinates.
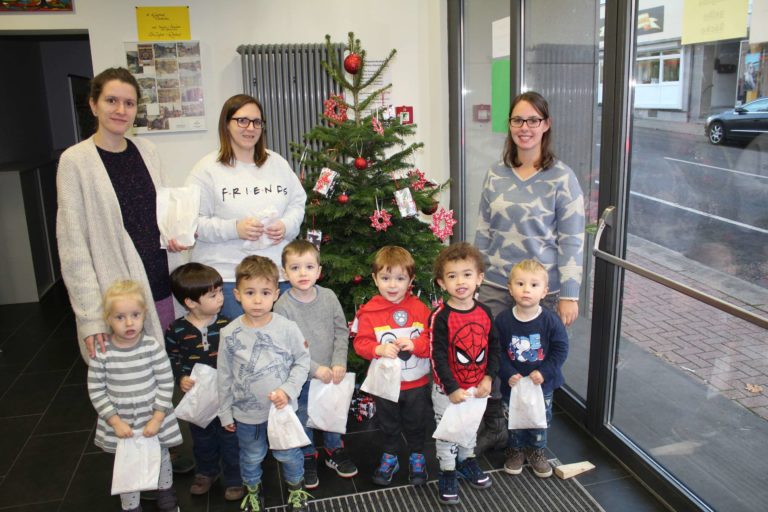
(465, 354)
(392, 324)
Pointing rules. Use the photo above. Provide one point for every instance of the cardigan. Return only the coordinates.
(94, 247)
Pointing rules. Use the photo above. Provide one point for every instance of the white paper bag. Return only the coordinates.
(460, 422)
(267, 217)
(177, 213)
(526, 406)
(284, 430)
(383, 379)
(201, 404)
(137, 464)
(328, 405)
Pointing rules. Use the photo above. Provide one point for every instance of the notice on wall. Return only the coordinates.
(163, 23)
(171, 81)
(714, 20)
(383, 103)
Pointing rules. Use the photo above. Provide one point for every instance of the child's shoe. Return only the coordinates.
(311, 481)
(538, 461)
(166, 500)
(297, 497)
(386, 470)
(513, 465)
(448, 488)
(234, 493)
(201, 485)
(471, 472)
(253, 501)
(418, 469)
(339, 461)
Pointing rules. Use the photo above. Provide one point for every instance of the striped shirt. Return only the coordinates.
(132, 383)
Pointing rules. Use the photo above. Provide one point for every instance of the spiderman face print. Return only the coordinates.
(468, 354)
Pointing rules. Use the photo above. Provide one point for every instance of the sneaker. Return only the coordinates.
(234, 493)
(538, 461)
(339, 461)
(386, 470)
(297, 497)
(253, 501)
(418, 469)
(201, 485)
(166, 500)
(310, 471)
(448, 488)
(513, 465)
(471, 472)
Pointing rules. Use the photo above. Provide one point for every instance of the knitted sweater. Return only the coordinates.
(228, 194)
(541, 217)
(94, 247)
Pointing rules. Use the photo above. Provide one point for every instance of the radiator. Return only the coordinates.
(290, 82)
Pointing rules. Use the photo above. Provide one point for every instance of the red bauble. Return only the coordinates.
(353, 63)
(343, 198)
(361, 163)
(357, 279)
(429, 210)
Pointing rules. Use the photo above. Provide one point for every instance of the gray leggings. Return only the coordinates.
(130, 500)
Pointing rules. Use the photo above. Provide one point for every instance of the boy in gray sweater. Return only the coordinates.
(319, 315)
(262, 360)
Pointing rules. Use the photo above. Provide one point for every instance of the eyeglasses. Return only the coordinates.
(244, 122)
(532, 122)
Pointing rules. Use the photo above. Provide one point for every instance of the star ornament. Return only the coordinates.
(380, 219)
(442, 223)
(419, 179)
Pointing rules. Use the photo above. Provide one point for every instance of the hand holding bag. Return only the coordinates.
(328, 404)
(284, 430)
(200, 405)
(526, 406)
(460, 421)
(383, 379)
(137, 464)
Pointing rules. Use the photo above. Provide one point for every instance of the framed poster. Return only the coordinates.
(22, 6)
(171, 81)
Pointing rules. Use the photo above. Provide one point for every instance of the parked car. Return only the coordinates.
(742, 123)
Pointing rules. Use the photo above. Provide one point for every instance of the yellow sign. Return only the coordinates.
(163, 23)
(714, 20)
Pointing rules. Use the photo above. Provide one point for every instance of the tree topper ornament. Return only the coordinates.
(442, 223)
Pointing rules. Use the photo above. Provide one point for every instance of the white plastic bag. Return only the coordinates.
(460, 422)
(284, 430)
(383, 379)
(267, 217)
(526, 406)
(201, 404)
(177, 213)
(328, 406)
(137, 464)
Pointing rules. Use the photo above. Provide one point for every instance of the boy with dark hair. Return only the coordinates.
(465, 354)
(393, 324)
(263, 361)
(192, 339)
(318, 313)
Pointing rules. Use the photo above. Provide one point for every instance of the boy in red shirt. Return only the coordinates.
(393, 324)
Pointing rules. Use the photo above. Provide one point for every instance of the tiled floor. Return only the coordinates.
(48, 461)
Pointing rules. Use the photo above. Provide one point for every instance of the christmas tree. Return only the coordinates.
(363, 192)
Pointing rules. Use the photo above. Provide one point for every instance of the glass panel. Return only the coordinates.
(690, 380)
(690, 391)
(648, 72)
(562, 63)
(486, 95)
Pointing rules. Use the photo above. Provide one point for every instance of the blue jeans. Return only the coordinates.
(331, 440)
(534, 437)
(212, 445)
(232, 309)
(253, 449)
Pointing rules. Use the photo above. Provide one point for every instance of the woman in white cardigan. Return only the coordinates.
(106, 224)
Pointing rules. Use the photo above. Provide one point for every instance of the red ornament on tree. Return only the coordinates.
(353, 63)
(429, 210)
(357, 279)
(343, 198)
(361, 163)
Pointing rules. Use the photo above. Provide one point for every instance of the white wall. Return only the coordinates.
(417, 29)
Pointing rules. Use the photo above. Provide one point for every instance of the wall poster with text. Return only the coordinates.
(171, 81)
